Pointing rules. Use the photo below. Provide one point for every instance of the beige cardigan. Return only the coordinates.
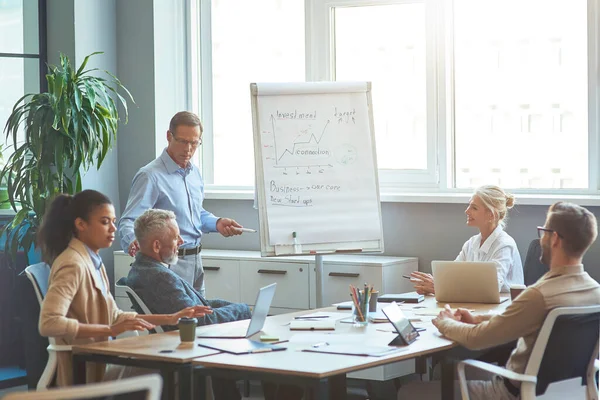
(74, 296)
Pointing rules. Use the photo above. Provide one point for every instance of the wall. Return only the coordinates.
(427, 231)
(77, 29)
(135, 66)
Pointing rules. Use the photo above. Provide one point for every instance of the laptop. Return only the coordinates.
(465, 282)
(259, 316)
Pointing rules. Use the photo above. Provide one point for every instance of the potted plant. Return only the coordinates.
(66, 130)
(4, 203)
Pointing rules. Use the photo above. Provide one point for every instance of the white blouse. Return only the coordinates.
(500, 248)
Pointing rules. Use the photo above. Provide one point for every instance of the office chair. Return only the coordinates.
(574, 329)
(138, 304)
(151, 384)
(533, 269)
(39, 274)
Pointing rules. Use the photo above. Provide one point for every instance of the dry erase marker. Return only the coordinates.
(247, 230)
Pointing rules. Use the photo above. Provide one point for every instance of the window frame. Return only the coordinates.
(42, 54)
(439, 177)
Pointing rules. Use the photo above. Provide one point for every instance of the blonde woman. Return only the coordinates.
(487, 211)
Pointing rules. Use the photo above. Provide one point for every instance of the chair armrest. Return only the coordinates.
(59, 347)
(500, 371)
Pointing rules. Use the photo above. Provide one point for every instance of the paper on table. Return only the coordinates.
(319, 316)
(331, 338)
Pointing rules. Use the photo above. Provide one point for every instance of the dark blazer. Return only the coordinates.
(165, 292)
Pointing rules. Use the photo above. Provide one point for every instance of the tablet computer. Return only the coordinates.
(406, 331)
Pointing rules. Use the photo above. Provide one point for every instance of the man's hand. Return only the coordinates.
(190, 312)
(445, 314)
(226, 227)
(422, 282)
(133, 324)
(133, 248)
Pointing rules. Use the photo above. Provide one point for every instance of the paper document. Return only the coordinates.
(331, 338)
(322, 316)
(352, 350)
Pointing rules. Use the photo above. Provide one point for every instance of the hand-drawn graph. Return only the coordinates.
(308, 150)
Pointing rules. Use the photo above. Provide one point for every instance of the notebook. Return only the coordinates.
(409, 297)
(240, 346)
(259, 316)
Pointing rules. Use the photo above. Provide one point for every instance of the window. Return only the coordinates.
(22, 55)
(251, 41)
(520, 103)
(465, 92)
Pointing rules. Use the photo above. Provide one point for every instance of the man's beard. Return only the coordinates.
(171, 260)
(546, 255)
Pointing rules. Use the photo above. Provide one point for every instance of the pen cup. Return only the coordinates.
(187, 329)
(360, 310)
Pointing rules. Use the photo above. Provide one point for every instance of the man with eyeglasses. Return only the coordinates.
(172, 182)
(568, 233)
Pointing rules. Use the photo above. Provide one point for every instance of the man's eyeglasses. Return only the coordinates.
(183, 142)
(541, 230)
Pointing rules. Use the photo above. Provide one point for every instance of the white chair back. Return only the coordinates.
(151, 384)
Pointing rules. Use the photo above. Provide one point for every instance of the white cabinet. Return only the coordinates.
(222, 279)
(238, 275)
(384, 273)
(291, 278)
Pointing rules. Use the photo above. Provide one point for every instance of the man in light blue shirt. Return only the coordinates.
(172, 182)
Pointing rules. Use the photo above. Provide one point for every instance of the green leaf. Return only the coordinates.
(77, 94)
(85, 61)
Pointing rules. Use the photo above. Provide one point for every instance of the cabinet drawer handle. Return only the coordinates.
(272, 271)
(345, 274)
(212, 268)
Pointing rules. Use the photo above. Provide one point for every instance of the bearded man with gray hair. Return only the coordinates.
(157, 285)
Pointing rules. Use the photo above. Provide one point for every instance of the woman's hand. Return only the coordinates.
(133, 324)
(190, 312)
(422, 282)
(464, 315)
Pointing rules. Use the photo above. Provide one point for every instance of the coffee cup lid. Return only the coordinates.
(186, 320)
(517, 286)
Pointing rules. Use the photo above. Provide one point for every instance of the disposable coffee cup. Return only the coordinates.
(516, 290)
(187, 329)
(373, 301)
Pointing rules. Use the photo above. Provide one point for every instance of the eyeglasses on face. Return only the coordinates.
(541, 230)
(183, 142)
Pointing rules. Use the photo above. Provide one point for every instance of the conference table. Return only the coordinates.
(322, 374)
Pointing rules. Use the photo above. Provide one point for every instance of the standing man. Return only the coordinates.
(172, 182)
